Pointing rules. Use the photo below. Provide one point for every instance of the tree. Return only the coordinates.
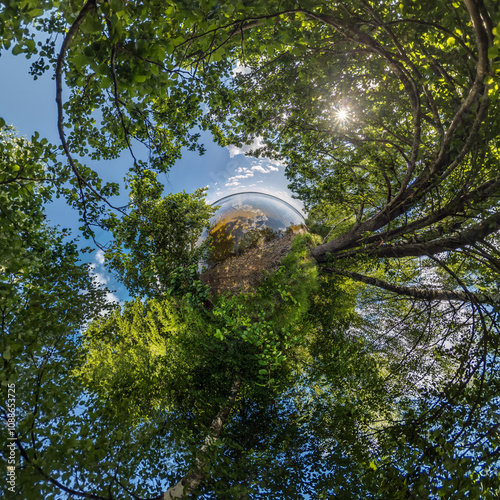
(385, 116)
(158, 236)
(46, 295)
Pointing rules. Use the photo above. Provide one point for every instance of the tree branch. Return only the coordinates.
(468, 236)
(88, 7)
(419, 293)
(196, 475)
(55, 482)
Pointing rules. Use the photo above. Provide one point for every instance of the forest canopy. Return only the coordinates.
(364, 364)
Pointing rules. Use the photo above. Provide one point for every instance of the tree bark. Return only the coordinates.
(446, 159)
(420, 293)
(468, 236)
(483, 192)
(196, 475)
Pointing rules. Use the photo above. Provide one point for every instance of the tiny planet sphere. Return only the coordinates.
(246, 220)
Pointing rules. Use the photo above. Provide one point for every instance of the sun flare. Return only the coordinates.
(342, 115)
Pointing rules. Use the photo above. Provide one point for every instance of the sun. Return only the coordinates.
(342, 115)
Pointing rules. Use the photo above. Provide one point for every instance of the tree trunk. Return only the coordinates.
(197, 474)
(420, 293)
(467, 237)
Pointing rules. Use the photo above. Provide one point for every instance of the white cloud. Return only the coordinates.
(100, 275)
(257, 143)
(263, 170)
(236, 177)
(234, 150)
(259, 168)
(99, 257)
(239, 69)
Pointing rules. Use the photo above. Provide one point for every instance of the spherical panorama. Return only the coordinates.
(246, 220)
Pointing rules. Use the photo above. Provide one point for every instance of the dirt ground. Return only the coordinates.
(240, 273)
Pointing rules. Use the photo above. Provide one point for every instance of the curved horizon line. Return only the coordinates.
(263, 194)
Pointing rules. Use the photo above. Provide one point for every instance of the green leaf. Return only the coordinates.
(35, 12)
(492, 52)
(7, 353)
(80, 60)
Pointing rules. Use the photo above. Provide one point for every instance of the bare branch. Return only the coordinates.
(467, 237)
(419, 293)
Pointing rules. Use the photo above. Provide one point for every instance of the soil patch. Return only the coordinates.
(243, 272)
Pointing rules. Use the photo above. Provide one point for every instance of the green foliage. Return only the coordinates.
(173, 353)
(386, 117)
(144, 357)
(46, 295)
(158, 236)
(176, 359)
(23, 189)
(272, 321)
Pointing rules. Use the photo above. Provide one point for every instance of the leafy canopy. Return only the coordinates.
(374, 374)
(158, 235)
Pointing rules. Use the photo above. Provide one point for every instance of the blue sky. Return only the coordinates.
(30, 106)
